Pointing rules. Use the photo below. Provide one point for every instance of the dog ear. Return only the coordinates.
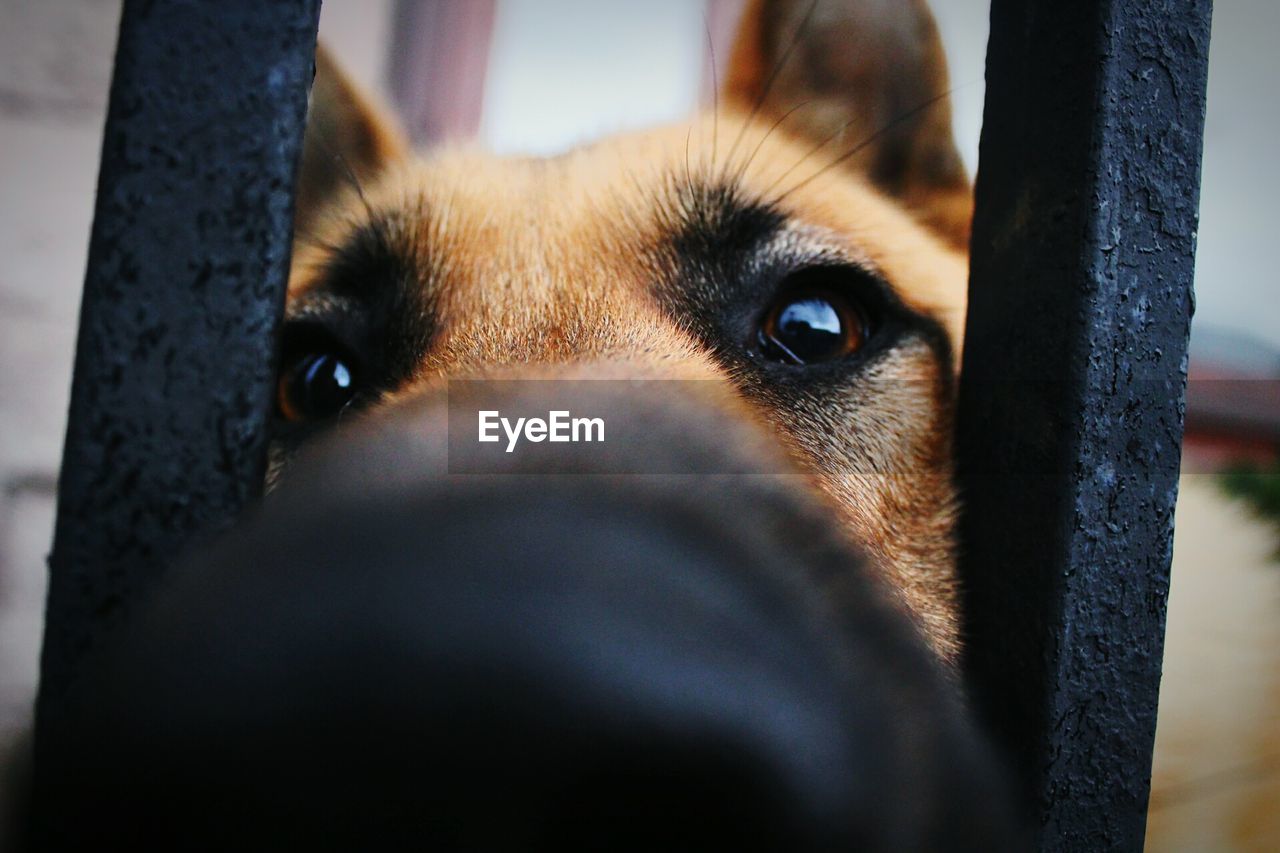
(348, 141)
(869, 71)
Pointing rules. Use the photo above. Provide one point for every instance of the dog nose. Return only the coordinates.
(517, 662)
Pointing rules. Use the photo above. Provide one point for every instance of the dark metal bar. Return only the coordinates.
(184, 292)
(1070, 414)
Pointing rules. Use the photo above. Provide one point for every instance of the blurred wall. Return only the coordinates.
(566, 71)
(1237, 287)
(55, 66)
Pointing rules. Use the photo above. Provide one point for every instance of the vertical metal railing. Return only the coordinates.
(1071, 407)
(188, 262)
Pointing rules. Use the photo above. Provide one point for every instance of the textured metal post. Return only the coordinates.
(1070, 414)
(183, 295)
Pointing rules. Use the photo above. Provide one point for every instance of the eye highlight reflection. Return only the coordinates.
(315, 386)
(809, 324)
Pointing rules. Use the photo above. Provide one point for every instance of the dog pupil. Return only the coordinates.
(326, 383)
(811, 329)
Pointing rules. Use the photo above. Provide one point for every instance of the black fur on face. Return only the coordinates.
(732, 255)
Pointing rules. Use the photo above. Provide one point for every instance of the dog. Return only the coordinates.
(771, 296)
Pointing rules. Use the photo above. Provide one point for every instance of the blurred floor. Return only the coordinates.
(1216, 775)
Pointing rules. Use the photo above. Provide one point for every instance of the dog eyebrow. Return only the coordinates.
(372, 291)
(371, 262)
(720, 237)
(712, 218)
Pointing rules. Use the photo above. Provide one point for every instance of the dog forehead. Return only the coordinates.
(597, 223)
(518, 228)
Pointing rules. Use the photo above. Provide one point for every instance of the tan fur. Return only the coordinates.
(539, 268)
(543, 262)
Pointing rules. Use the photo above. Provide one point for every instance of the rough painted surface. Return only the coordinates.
(1072, 401)
(185, 286)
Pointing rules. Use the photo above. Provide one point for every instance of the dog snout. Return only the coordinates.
(388, 655)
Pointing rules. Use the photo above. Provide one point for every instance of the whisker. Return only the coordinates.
(688, 171)
(311, 238)
(346, 171)
(746, 165)
(861, 146)
(773, 76)
(814, 150)
(715, 90)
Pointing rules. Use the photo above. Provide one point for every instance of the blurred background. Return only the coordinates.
(537, 76)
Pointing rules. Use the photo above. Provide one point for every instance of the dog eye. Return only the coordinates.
(809, 323)
(314, 385)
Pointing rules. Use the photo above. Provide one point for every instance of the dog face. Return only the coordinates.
(800, 245)
(392, 649)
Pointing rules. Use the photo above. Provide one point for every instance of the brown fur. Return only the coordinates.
(540, 263)
(565, 267)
